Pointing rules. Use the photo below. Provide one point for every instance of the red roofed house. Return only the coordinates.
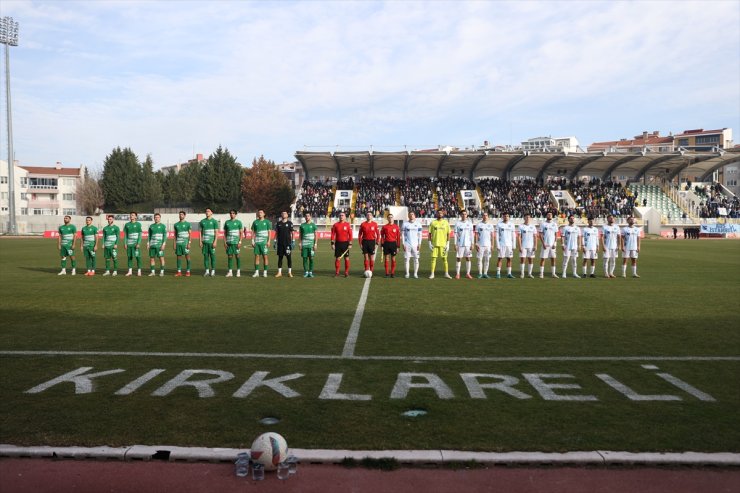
(41, 190)
(651, 141)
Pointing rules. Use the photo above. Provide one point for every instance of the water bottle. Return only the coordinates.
(242, 464)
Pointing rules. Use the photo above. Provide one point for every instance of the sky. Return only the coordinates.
(173, 79)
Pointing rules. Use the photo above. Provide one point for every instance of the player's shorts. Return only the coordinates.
(110, 252)
(572, 253)
(590, 255)
(629, 253)
(66, 252)
(88, 252)
(439, 252)
(549, 252)
(526, 253)
(260, 249)
(609, 253)
(307, 252)
(283, 250)
(505, 252)
(156, 252)
(133, 252)
(368, 247)
(484, 252)
(390, 248)
(341, 248)
(232, 249)
(411, 251)
(463, 252)
(208, 249)
(181, 250)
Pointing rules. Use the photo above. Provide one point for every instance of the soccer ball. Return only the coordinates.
(368, 274)
(269, 449)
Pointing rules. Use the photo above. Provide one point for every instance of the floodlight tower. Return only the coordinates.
(9, 37)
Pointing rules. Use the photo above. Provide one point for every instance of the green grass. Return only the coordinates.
(685, 304)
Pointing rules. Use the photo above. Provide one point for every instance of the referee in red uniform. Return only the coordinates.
(341, 242)
(390, 240)
(368, 238)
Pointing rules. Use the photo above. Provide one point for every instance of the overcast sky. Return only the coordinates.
(177, 78)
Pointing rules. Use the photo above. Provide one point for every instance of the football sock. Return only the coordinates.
(336, 266)
(416, 266)
(393, 266)
(231, 262)
(310, 264)
(179, 264)
(386, 267)
(407, 262)
(434, 264)
(238, 262)
(346, 265)
(457, 267)
(508, 270)
(468, 266)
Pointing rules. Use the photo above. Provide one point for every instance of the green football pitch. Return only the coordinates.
(649, 364)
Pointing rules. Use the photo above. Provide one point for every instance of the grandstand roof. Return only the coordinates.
(509, 165)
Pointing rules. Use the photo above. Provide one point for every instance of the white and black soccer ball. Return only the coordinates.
(269, 449)
(368, 274)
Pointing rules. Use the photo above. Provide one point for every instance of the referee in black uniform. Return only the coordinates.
(284, 243)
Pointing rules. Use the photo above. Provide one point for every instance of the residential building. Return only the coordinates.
(41, 190)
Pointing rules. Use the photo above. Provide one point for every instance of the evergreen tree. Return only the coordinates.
(219, 183)
(122, 180)
(151, 187)
(265, 187)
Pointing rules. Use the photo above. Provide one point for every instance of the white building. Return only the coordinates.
(41, 190)
(557, 144)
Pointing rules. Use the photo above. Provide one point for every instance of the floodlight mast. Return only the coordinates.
(9, 37)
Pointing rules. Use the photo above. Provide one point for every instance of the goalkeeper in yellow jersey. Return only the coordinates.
(439, 241)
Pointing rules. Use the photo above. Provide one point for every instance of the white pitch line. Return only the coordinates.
(354, 329)
(494, 359)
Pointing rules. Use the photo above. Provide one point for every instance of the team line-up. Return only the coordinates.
(481, 238)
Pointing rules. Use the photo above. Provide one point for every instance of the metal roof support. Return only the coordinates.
(303, 165)
(654, 163)
(513, 162)
(475, 163)
(339, 169)
(441, 162)
(372, 164)
(406, 164)
(688, 162)
(547, 164)
(582, 164)
(714, 168)
(619, 162)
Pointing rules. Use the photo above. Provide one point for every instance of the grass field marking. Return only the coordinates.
(495, 359)
(354, 329)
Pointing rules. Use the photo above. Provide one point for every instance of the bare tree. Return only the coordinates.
(89, 194)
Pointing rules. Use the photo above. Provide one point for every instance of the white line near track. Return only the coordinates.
(354, 329)
(495, 359)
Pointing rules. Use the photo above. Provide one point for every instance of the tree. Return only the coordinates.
(265, 187)
(218, 186)
(151, 187)
(89, 194)
(122, 179)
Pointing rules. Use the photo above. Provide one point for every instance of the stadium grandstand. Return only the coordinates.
(494, 180)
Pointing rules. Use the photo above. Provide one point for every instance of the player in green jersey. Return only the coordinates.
(439, 241)
(89, 245)
(309, 243)
(111, 234)
(132, 235)
(182, 244)
(208, 240)
(157, 241)
(233, 242)
(66, 245)
(261, 228)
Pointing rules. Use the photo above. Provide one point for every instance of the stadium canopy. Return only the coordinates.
(474, 164)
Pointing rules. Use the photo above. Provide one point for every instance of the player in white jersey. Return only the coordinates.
(549, 239)
(484, 245)
(411, 234)
(610, 245)
(527, 244)
(463, 243)
(630, 246)
(505, 245)
(590, 247)
(572, 242)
